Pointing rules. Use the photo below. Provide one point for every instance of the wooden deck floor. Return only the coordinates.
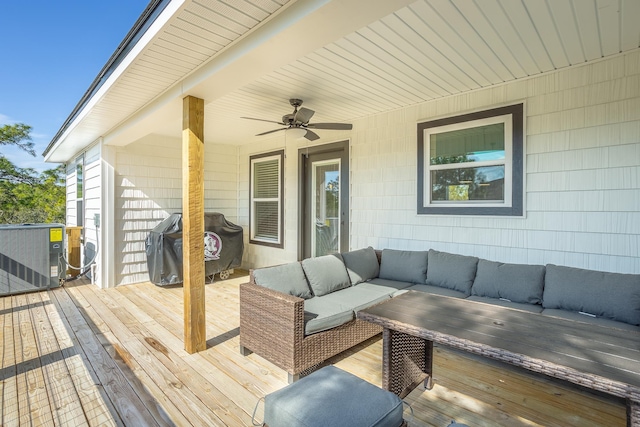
(82, 356)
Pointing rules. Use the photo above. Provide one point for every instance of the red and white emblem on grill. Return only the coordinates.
(212, 246)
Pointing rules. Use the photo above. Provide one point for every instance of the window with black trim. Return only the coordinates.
(472, 164)
(266, 226)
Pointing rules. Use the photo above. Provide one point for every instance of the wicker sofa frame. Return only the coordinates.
(272, 325)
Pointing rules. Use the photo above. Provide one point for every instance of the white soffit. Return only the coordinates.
(427, 50)
(189, 35)
(294, 31)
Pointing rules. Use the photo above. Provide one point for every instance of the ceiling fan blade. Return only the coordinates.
(331, 126)
(311, 136)
(263, 120)
(271, 131)
(304, 115)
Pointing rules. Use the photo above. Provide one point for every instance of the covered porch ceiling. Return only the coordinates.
(346, 59)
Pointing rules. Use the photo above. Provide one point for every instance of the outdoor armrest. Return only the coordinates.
(271, 323)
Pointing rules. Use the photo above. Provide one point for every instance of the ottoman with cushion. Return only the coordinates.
(332, 397)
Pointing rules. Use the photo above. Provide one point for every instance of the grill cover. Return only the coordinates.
(223, 248)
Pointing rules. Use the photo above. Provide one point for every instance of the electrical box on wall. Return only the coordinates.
(31, 257)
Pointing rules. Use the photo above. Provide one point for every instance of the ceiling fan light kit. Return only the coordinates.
(296, 132)
(297, 123)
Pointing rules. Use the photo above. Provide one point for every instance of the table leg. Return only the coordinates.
(406, 362)
(428, 364)
(633, 413)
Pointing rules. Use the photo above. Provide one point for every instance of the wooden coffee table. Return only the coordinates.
(596, 357)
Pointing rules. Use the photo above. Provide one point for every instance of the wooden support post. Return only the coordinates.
(193, 223)
(74, 237)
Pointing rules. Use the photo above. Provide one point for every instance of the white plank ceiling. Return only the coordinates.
(426, 50)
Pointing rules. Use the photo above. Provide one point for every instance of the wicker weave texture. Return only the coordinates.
(272, 326)
(633, 413)
(407, 362)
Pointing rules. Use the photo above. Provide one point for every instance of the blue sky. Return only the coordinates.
(51, 52)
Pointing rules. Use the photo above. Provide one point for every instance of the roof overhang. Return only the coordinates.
(347, 59)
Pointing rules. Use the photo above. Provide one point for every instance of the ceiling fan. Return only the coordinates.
(299, 119)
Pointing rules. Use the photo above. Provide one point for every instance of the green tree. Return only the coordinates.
(26, 196)
(18, 135)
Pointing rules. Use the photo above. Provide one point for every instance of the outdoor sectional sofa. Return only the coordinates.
(298, 315)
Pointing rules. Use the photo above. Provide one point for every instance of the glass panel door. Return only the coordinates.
(325, 206)
(324, 200)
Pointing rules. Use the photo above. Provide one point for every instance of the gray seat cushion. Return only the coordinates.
(361, 264)
(437, 290)
(403, 266)
(451, 271)
(532, 308)
(321, 314)
(610, 295)
(386, 285)
(601, 321)
(326, 274)
(515, 282)
(332, 397)
(357, 297)
(286, 278)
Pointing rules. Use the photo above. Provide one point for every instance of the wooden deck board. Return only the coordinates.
(10, 411)
(30, 370)
(63, 396)
(159, 362)
(127, 405)
(96, 405)
(79, 355)
(217, 363)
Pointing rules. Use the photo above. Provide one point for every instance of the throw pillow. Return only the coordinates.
(326, 274)
(285, 278)
(451, 271)
(611, 295)
(404, 266)
(362, 265)
(514, 282)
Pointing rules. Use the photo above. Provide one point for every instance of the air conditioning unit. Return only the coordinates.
(31, 257)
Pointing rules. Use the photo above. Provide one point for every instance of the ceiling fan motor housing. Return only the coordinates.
(288, 119)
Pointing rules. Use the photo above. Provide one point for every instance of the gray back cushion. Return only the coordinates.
(326, 274)
(362, 265)
(404, 266)
(286, 278)
(610, 295)
(451, 271)
(514, 282)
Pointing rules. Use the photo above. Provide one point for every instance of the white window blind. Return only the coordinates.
(266, 199)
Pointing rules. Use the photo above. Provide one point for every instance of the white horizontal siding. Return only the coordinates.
(92, 197)
(71, 208)
(582, 158)
(582, 166)
(92, 205)
(148, 189)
